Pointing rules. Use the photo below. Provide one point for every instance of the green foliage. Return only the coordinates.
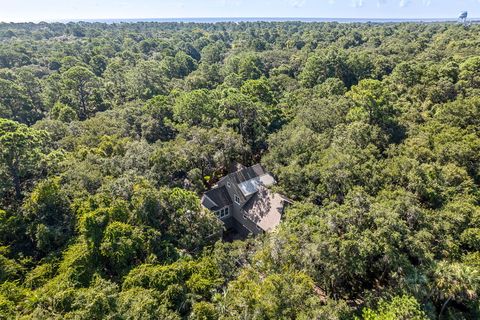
(177, 283)
(40, 275)
(110, 133)
(21, 149)
(195, 108)
(80, 90)
(372, 105)
(139, 303)
(194, 154)
(259, 90)
(11, 294)
(245, 66)
(143, 82)
(398, 308)
(158, 126)
(121, 245)
(48, 216)
(273, 296)
(326, 64)
(78, 264)
(204, 311)
(7, 308)
(455, 281)
(9, 269)
(190, 227)
(63, 113)
(469, 73)
(96, 302)
(248, 117)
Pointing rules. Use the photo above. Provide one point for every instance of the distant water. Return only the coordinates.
(217, 20)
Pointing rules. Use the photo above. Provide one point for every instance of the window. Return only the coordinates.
(228, 184)
(237, 199)
(222, 213)
(245, 217)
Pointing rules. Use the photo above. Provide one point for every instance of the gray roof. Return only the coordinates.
(265, 208)
(247, 173)
(219, 196)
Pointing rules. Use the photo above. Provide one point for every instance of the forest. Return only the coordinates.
(110, 133)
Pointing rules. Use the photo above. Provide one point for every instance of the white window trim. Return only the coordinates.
(223, 213)
(229, 184)
(236, 199)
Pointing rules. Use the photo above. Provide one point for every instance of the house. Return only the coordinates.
(243, 202)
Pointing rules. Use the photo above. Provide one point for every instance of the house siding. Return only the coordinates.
(236, 209)
(229, 184)
(232, 191)
(229, 222)
(247, 223)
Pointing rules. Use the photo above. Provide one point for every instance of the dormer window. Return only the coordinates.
(228, 184)
(237, 199)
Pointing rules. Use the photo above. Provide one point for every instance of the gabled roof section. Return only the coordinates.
(265, 208)
(216, 198)
(247, 174)
(208, 203)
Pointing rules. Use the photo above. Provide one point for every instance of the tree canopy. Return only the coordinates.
(110, 133)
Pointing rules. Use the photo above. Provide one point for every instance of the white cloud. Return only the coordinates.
(225, 3)
(297, 3)
(358, 3)
(404, 3)
(427, 2)
(381, 2)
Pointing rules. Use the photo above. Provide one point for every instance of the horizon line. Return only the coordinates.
(172, 19)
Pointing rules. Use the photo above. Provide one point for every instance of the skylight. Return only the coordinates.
(249, 187)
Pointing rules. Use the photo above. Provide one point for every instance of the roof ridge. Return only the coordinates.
(210, 199)
(244, 173)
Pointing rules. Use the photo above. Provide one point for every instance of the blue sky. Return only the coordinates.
(37, 10)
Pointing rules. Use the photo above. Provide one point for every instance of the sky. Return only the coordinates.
(56, 10)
